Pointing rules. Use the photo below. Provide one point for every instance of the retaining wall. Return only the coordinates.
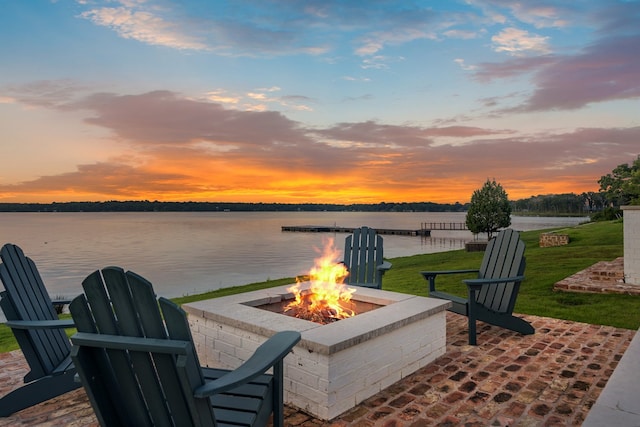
(553, 239)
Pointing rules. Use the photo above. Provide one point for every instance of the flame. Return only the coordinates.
(328, 297)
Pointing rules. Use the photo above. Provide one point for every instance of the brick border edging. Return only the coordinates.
(604, 277)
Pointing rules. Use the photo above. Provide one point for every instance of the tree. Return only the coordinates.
(595, 202)
(489, 210)
(622, 185)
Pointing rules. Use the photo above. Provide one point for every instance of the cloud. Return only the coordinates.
(377, 62)
(113, 179)
(604, 70)
(165, 117)
(374, 42)
(487, 72)
(261, 99)
(619, 18)
(144, 26)
(607, 70)
(296, 98)
(356, 79)
(540, 14)
(526, 165)
(245, 38)
(518, 42)
(184, 149)
(371, 134)
(247, 33)
(44, 93)
(392, 163)
(461, 34)
(221, 96)
(464, 66)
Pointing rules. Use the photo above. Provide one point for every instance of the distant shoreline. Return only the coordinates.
(148, 206)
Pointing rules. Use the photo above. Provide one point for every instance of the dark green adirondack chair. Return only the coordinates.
(136, 359)
(363, 257)
(38, 330)
(491, 296)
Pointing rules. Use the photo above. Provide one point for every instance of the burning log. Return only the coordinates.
(319, 312)
(328, 298)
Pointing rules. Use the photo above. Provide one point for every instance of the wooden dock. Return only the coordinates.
(424, 230)
(453, 226)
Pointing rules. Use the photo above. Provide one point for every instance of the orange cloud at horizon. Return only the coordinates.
(219, 184)
(170, 148)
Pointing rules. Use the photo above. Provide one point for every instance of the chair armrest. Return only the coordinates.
(384, 266)
(476, 284)
(436, 273)
(41, 324)
(119, 342)
(431, 275)
(267, 355)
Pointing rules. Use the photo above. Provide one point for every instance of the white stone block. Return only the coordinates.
(631, 244)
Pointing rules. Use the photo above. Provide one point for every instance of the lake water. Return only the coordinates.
(193, 252)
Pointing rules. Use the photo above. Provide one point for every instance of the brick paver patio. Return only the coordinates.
(551, 378)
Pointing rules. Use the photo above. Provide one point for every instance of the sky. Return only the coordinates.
(330, 101)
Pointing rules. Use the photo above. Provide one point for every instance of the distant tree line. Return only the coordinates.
(156, 206)
(544, 204)
(551, 204)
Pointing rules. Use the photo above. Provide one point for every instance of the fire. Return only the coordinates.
(328, 298)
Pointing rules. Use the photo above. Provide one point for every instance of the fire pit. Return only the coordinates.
(355, 342)
(335, 366)
(324, 318)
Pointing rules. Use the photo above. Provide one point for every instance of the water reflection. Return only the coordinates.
(447, 243)
(193, 252)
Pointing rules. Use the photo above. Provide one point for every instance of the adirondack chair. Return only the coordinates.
(37, 329)
(363, 257)
(136, 359)
(492, 295)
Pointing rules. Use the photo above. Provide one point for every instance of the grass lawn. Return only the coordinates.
(589, 243)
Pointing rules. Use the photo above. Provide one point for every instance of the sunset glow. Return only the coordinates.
(314, 102)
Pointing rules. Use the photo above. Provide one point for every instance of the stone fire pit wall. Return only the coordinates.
(334, 367)
(631, 244)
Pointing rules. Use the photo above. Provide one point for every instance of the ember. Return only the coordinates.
(328, 298)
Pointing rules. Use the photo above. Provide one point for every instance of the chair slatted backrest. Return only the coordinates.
(136, 385)
(363, 252)
(503, 258)
(26, 298)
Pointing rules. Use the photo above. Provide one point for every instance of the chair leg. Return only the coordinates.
(507, 321)
(472, 328)
(36, 392)
(278, 394)
(472, 316)
(519, 325)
